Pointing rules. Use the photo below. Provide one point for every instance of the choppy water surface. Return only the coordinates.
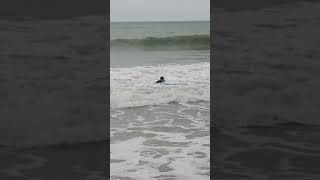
(160, 131)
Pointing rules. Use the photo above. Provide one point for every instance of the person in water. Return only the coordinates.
(161, 80)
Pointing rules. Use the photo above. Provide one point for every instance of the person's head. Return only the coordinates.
(161, 78)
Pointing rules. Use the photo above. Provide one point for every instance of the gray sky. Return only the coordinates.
(159, 10)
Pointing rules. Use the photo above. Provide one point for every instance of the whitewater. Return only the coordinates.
(160, 131)
(133, 87)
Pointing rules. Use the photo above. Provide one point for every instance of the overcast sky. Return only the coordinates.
(159, 10)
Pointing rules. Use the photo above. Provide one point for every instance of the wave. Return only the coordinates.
(191, 42)
(134, 87)
(44, 133)
(289, 124)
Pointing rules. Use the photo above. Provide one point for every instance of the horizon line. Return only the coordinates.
(158, 21)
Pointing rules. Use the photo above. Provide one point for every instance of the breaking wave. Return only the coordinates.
(191, 42)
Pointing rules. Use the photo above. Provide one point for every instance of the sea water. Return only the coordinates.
(159, 131)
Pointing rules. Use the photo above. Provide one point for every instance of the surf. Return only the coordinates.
(135, 86)
(188, 42)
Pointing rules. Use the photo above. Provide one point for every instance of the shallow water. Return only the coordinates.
(160, 131)
(169, 141)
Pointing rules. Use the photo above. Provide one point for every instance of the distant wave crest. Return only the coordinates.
(190, 42)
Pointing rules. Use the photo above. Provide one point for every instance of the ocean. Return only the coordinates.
(160, 131)
(54, 88)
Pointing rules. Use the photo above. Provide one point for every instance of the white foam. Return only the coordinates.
(148, 143)
(181, 160)
(132, 87)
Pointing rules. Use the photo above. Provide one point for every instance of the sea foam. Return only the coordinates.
(135, 86)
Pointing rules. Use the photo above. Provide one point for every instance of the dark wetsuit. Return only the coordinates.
(160, 81)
